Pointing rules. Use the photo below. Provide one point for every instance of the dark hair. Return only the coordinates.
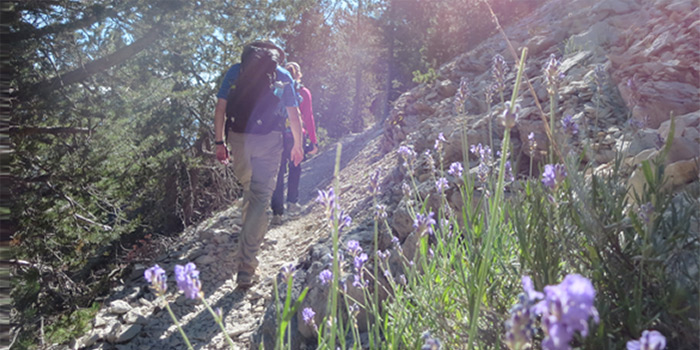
(250, 47)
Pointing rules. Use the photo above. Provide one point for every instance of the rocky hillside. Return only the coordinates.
(628, 66)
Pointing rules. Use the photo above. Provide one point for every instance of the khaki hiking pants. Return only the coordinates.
(256, 161)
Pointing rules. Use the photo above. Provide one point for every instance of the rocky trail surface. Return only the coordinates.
(132, 318)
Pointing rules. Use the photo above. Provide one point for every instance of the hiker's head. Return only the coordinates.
(250, 48)
(294, 69)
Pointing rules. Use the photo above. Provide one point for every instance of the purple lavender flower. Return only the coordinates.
(308, 315)
(380, 211)
(187, 278)
(424, 223)
(456, 169)
(553, 175)
(482, 172)
(441, 184)
(650, 340)
(500, 68)
(483, 152)
(157, 278)
(520, 326)
(509, 172)
(354, 247)
(552, 75)
(510, 117)
(439, 141)
(429, 159)
(406, 189)
(287, 272)
(569, 125)
(327, 198)
(360, 261)
(566, 310)
(345, 221)
(645, 212)
(532, 143)
(383, 255)
(430, 343)
(408, 155)
(325, 276)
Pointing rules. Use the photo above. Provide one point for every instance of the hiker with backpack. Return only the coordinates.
(309, 131)
(255, 99)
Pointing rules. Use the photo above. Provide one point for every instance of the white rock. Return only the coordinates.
(119, 307)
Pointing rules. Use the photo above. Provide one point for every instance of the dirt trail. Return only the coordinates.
(132, 318)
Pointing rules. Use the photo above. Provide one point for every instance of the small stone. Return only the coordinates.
(205, 260)
(129, 333)
(119, 307)
(135, 316)
(145, 302)
(89, 340)
(100, 321)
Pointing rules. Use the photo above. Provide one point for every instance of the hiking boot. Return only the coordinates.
(244, 280)
(276, 220)
(293, 208)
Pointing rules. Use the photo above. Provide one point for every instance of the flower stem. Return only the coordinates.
(218, 320)
(177, 323)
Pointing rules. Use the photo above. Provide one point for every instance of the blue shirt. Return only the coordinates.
(288, 98)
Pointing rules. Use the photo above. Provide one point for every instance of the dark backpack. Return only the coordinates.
(251, 106)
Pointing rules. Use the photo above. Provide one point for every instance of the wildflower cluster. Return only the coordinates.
(187, 279)
(554, 174)
(650, 340)
(564, 309)
(552, 75)
(330, 203)
(424, 223)
(157, 278)
(308, 315)
(569, 125)
(359, 258)
(485, 160)
(520, 327)
(532, 144)
(500, 69)
(429, 342)
(645, 212)
(456, 169)
(409, 157)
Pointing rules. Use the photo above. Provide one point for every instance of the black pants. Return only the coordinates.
(292, 182)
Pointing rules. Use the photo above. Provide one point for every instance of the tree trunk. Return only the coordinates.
(357, 122)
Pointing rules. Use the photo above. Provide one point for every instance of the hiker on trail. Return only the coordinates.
(254, 100)
(309, 131)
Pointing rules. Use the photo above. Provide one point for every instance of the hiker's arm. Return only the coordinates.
(295, 124)
(219, 119)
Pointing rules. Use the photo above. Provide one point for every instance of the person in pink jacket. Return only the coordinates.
(309, 131)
